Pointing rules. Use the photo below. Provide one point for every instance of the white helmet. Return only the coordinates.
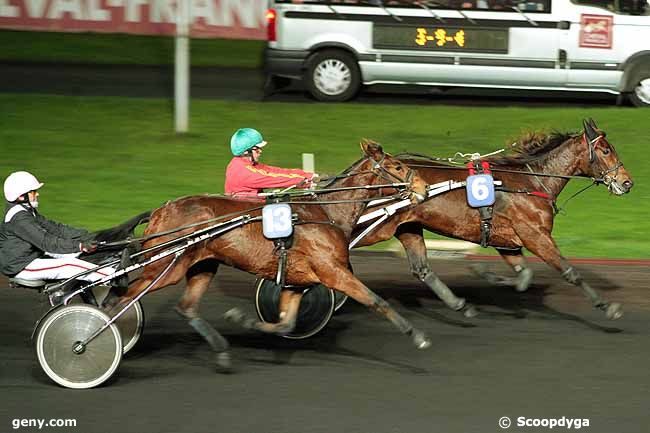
(19, 183)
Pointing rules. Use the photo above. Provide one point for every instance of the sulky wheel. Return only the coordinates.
(339, 300)
(70, 364)
(131, 323)
(316, 307)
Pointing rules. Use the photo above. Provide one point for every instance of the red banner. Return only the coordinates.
(237, 19)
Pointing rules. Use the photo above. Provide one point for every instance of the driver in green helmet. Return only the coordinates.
(247, 177)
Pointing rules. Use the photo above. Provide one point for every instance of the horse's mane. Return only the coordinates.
(528, 148)
(531, 147)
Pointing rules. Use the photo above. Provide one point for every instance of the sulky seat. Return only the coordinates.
(32, 284)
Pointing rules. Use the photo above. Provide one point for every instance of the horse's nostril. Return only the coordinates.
(628, 184)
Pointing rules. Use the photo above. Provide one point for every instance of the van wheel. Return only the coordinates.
(333, 76)
(640, 95)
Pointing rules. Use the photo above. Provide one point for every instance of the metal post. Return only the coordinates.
(182, 67)
(308, 162)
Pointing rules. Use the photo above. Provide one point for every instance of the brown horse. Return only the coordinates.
(319, 253)
(520, 219)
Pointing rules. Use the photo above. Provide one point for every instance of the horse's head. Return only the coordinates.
(391, 170)
(602, 160)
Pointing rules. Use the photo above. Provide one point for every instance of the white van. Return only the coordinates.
(566, 45)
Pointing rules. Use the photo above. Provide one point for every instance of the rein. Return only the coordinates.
(505, 170)
(329, 190)
(376, 165)
(143, 239)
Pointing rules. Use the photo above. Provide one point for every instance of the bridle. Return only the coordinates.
(381, 172)
(603, 176)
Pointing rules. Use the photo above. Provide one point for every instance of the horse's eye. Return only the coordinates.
(605, 151)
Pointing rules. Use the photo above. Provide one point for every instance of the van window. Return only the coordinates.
(603, 4)
(629, 7)
(495, 5)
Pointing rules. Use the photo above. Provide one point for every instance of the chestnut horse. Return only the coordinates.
(319, 253)
(519, 219)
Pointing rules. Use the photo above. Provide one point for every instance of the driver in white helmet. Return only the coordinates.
(33, 247)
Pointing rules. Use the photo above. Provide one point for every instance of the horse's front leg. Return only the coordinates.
(542, 245)
(199, 277)
(412, 239)
(342, 279)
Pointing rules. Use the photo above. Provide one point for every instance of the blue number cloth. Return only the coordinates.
(276, 220)
(480, 190)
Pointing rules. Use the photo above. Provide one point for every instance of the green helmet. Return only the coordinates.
(245, 139)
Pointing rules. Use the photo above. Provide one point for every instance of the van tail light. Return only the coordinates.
(271, 33)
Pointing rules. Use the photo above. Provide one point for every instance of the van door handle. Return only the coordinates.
(562, 58)
(564, 25)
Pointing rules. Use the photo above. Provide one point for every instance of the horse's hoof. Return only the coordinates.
(614, 311)
(238, 317)
(469, 311)
(420, 339)
(235, 315)
(481, 270)
(223, 363)
(524, 279)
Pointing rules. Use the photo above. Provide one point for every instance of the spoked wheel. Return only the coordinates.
(640, 96)
(68, 363)
(131, 323)
(316, 307)
(333, 76)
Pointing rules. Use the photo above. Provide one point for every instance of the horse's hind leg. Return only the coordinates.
(543, 246)
(199, 278)
(517, 262)
(289, 306)
(413, 242)
(341, 279)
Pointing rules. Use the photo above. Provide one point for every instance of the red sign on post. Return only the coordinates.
(241, 19)
(596, 31)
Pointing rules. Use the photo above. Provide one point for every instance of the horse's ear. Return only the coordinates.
(590, 129)
(592, 123)
(371, 148)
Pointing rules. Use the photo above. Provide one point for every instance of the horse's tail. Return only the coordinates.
(122, 231)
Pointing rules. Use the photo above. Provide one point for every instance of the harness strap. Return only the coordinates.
(485, 212)
(541, 195)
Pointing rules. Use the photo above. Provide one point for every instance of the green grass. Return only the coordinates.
(97, 48)
(106, 159)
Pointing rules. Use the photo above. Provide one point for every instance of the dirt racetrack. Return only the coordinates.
(541, 354)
